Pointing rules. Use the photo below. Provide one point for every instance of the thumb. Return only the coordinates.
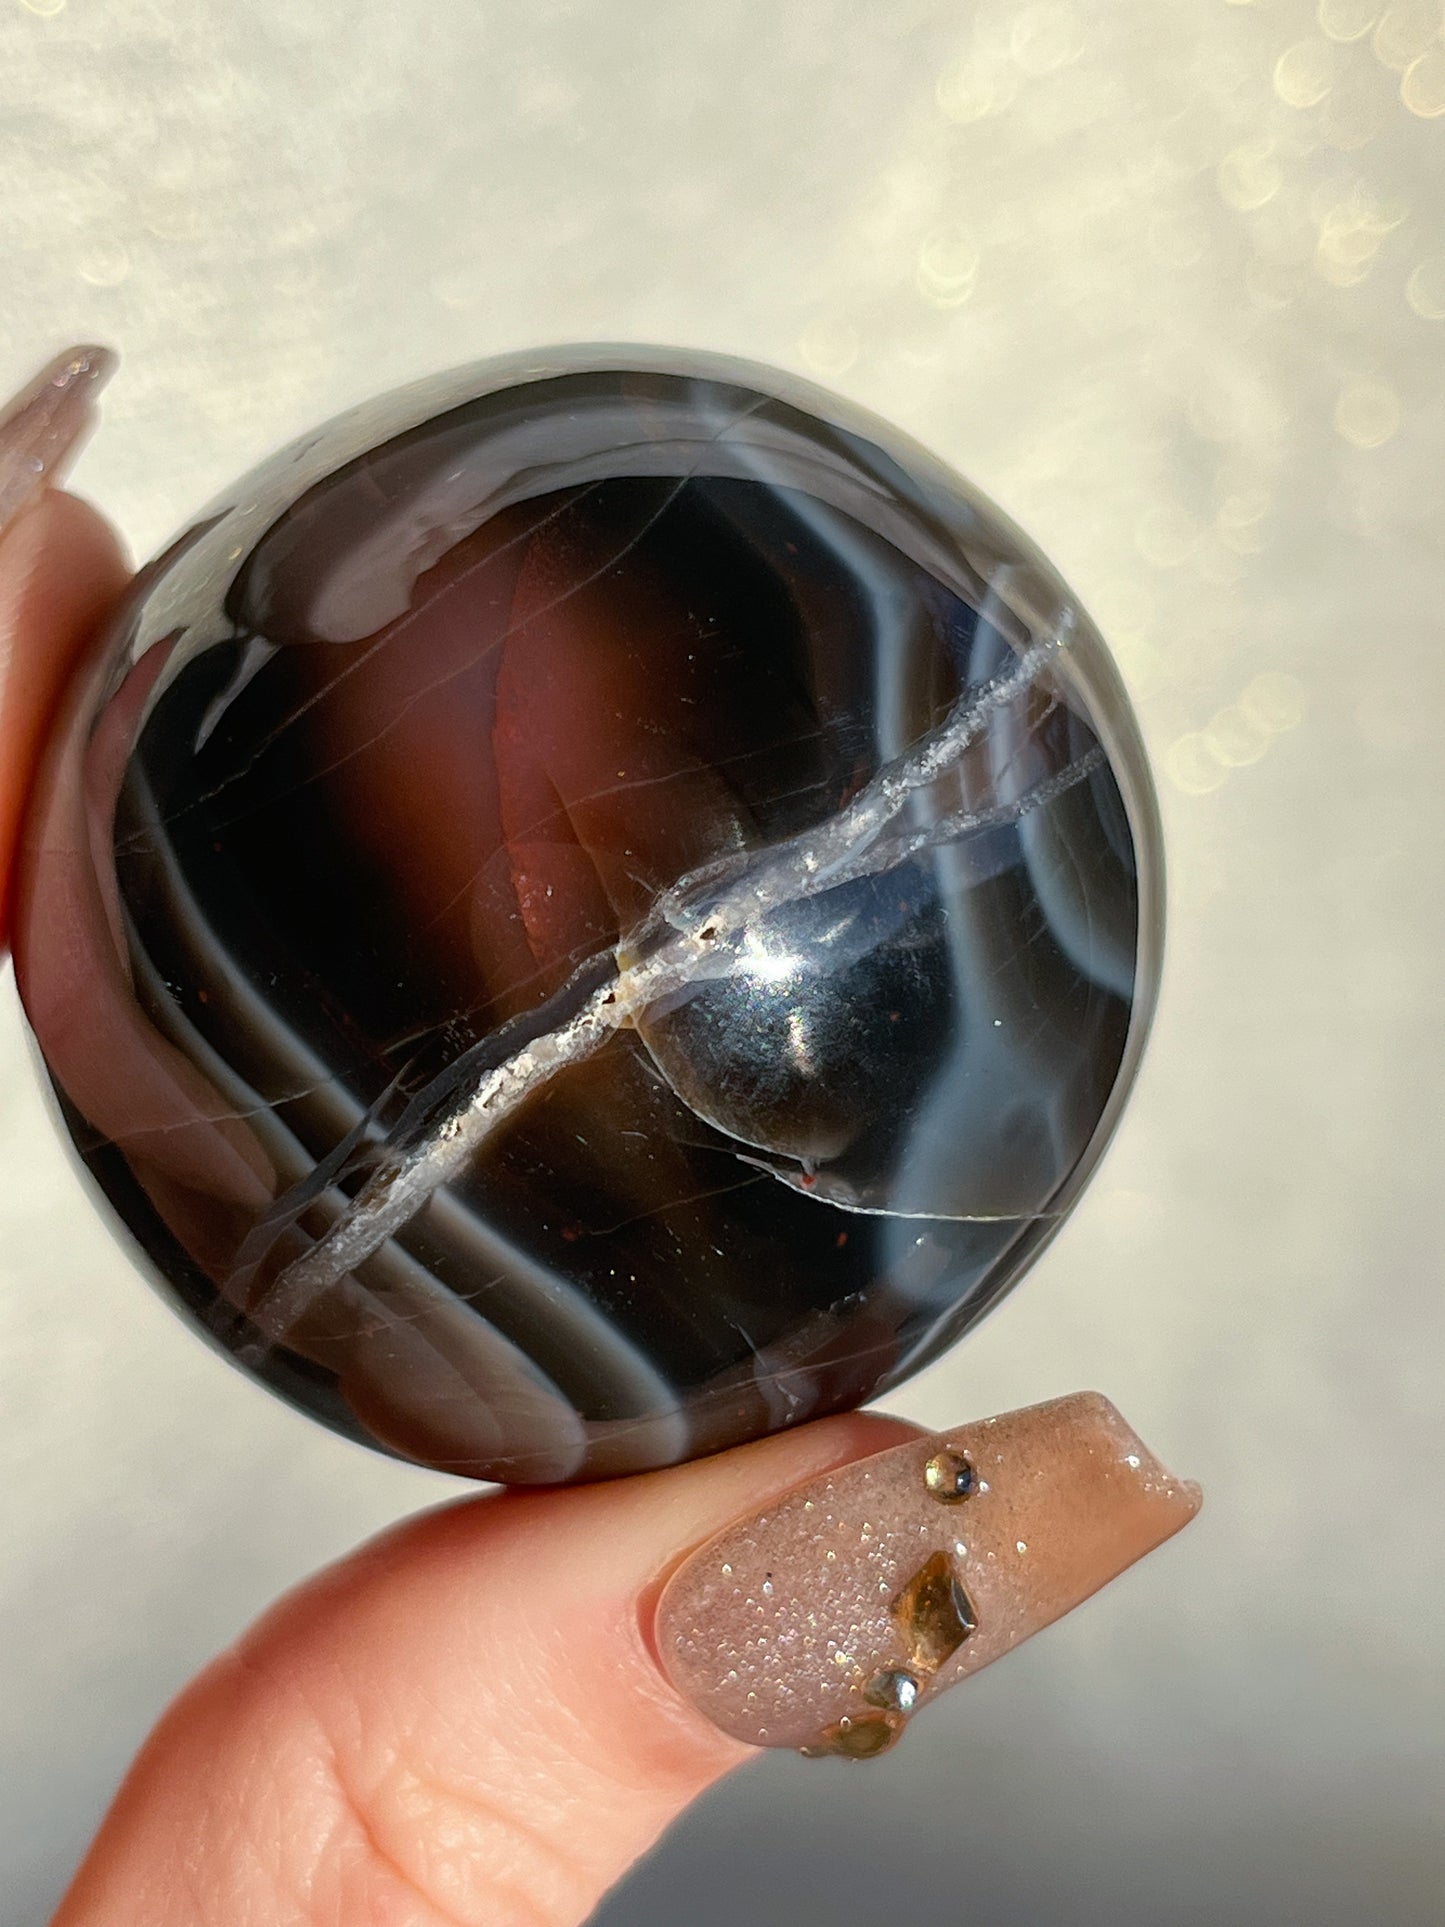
(463, 1722)
(489, 1714)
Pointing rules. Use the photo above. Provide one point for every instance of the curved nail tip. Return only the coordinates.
(86, 360)
(825, 1622)
(46, 423)
(74, 376)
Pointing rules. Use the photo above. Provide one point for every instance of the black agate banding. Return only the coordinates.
(602, 906)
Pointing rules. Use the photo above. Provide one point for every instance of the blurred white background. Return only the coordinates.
(1167, 280)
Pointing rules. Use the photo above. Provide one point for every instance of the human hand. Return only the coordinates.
(490, 1712)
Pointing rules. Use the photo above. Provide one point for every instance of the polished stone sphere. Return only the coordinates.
(600, 906)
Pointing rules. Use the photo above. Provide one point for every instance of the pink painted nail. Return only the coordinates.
(46, 423)
(824, 1622)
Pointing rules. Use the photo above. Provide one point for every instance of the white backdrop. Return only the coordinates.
(1168, 280)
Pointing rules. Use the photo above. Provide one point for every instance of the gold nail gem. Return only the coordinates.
(950, 1477)
(934, 1614)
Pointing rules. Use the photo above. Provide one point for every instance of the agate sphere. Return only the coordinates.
(598, 907)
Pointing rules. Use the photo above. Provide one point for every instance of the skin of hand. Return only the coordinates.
(463, 1722)
(474, 1718)
(465, 1719)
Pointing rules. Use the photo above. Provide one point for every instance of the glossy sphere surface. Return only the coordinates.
(593, 910)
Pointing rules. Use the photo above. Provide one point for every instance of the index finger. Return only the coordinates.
(61, 569)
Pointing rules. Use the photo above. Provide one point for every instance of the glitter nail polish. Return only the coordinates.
(856, 1599)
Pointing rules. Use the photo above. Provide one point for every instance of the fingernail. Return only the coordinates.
(825, 1622)
(45, 424)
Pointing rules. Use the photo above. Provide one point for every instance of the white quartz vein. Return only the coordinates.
(697, 922)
